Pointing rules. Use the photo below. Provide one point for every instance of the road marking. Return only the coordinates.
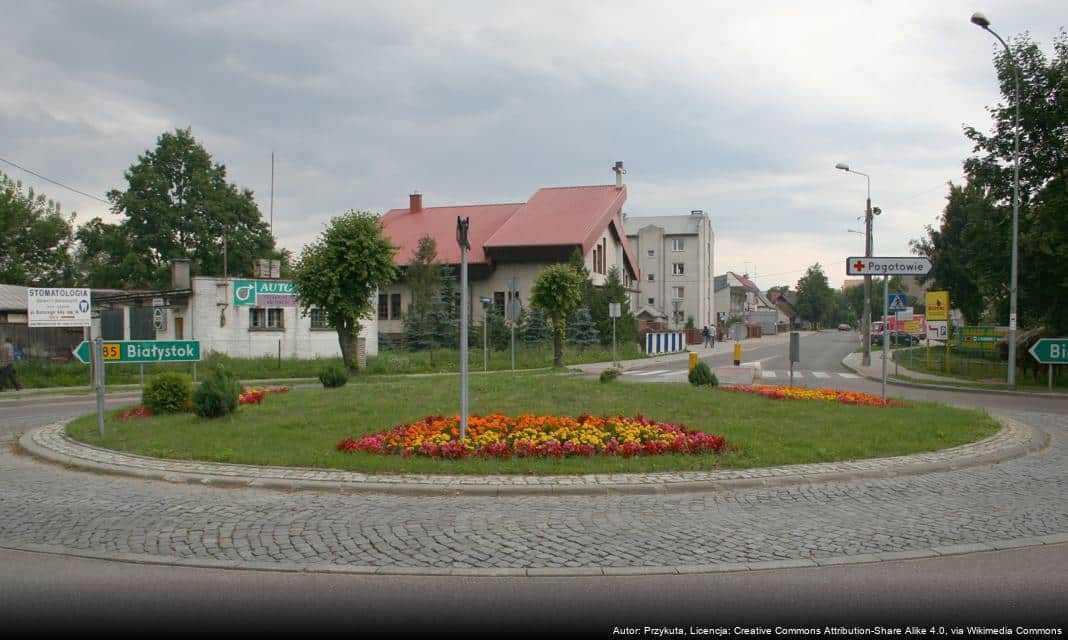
(851, 376)
(821, 374)
(767, 374)
(650, 373)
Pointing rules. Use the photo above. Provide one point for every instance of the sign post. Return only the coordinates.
(1050, 351)
(68, 307)
(485, 331)
(614, 311)
(886, 267)
(513, 311)
(462, 225)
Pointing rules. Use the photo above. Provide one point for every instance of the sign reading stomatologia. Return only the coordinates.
(57, 307)
(264, 293)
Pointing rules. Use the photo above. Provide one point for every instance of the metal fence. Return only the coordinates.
(51, 343)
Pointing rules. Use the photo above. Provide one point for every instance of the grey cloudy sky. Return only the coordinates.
(740, 109)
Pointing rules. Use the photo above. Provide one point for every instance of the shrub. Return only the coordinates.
(168, 393)
(608, 375)
(702, 376)
(334, 375)
(217, 394)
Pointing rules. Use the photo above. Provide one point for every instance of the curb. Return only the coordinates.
(945, 387)
(552, 572)
(48, 442)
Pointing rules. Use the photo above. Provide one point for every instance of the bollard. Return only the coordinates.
(737, 354)
(693, 360)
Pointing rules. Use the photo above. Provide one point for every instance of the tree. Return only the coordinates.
(557, 292)
(342, 271)
(36, 238)
(626, 324)
(971, 250)
(582, 332)
(423, 275)
(814, 297)
(535, 329)
(852, 300)
(178, 204)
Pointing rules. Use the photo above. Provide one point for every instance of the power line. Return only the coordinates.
(59, 184)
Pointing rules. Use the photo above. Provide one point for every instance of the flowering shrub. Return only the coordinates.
(534, 436)
(827, 395)
(255, 396)
(137, 412)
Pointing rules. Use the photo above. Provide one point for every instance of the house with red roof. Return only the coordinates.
(512, 240)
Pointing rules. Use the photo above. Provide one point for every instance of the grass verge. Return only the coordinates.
(302, 428)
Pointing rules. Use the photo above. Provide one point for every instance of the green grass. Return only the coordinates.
(302, 428)
(40, 374)
(977, 371)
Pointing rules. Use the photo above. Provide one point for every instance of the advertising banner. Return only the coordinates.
(265, 293)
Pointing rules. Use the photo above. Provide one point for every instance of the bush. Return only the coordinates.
(168, 393)
(702, 376)
(608, 375)
(334, 375)
(217, 394)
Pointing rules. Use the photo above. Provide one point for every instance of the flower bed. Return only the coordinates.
(255, 396)
(137, 412)
(528, 436)
(826, 395)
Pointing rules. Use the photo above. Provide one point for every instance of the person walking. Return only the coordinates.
(7, 365)
(707, 333)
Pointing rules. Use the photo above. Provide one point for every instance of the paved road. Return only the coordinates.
(41, 593)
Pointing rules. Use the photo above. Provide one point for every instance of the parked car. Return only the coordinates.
(844, 327)
(897, 338)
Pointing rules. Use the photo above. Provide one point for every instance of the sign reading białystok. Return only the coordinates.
(1050, 350)
(144, 351)
(57, 307)
(908, 266)
(265, 293)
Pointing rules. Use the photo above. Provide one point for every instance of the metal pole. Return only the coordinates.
(98, 365)
(866, 359)
(1051, 377)
(485, 337)
(142, 379)
(615, 360)
(886, 333)
(463, 341)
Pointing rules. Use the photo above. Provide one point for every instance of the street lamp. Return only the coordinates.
(981, 21)
(866, 359)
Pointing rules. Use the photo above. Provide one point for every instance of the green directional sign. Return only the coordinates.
(143, 351)
(1050, 351)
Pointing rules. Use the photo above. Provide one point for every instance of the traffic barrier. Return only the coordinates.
(672, 342)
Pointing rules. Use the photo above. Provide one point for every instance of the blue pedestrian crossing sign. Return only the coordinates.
(896, 302)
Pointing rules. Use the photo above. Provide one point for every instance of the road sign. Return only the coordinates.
(265, 293)
(1050, 350)
(143, 351)
(908, 266)
(937, 305)
(905, 314)
(58, 307)
(614, 309)
(937, 329)
(159, 319)
(896, 302)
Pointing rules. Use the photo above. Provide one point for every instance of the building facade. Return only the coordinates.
(676, 255)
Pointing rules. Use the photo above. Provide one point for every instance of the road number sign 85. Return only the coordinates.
(112, 352)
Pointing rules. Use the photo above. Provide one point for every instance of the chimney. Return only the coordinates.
(180, 273)
(697, 212)
(618, 168)
(415, 202)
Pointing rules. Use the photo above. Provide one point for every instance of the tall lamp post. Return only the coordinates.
(981, 21)
(866, 359)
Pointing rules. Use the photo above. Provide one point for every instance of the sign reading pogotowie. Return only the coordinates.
(265, 293)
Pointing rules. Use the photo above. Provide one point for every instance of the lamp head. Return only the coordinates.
(980, 20)
(876, 211)
(843, 166)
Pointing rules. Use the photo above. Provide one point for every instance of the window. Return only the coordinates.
(318, 319)
(383, 306)
(651, 301)
(652, 278)
(266, 318)
(600, 261)
(498, 301)
(678, 244)
(389, 306)
(652, 252)
(678, 293)
(678, 268)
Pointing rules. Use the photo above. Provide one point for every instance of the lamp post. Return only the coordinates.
(866, 359)
(981, 21)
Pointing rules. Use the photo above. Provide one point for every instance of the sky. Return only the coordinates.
(739, 109)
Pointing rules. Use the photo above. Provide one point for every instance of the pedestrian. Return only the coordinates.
(707, 333)
(7, 365)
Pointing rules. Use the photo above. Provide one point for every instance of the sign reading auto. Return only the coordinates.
(265, 293)
(62, 307)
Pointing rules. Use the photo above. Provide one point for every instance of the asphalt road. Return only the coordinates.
(41, 592)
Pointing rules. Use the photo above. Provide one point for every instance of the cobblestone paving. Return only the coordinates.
(992, 505)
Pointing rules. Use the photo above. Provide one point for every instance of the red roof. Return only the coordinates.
(559, 216)
(746, 282)
(404, 228)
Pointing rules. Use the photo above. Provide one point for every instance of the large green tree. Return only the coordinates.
(815, 301)
(35, 237)
(178, 204)
(342, 271)
(557, 292)
(971, 248)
